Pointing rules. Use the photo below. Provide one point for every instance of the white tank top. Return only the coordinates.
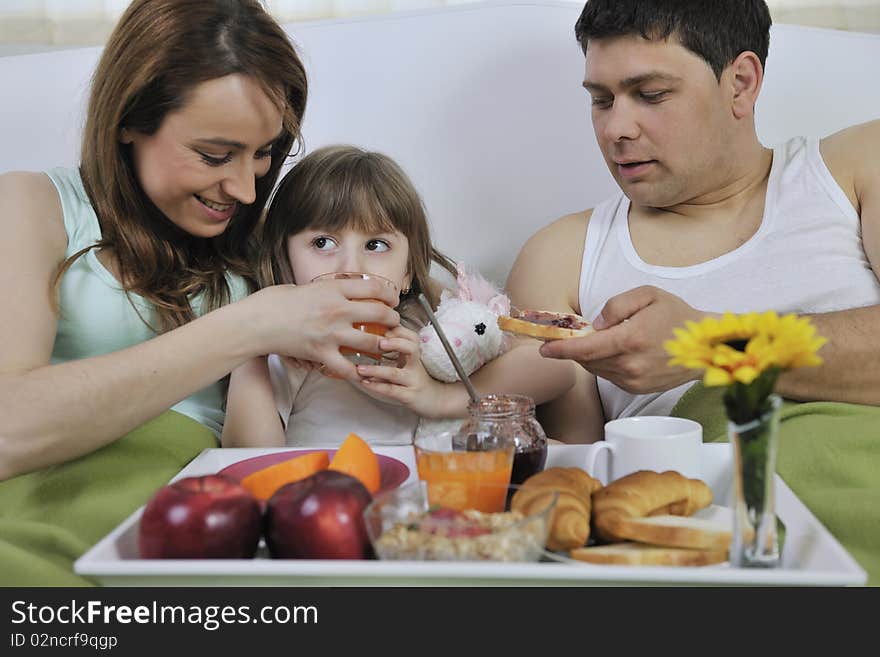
(806, 257)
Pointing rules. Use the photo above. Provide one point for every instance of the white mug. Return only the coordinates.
(650, 442)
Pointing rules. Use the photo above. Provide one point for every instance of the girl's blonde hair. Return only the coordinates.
(347, 187)
(158, 52)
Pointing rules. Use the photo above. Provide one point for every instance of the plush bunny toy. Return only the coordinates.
(469, 320)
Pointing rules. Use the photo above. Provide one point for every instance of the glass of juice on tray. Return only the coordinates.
(355, 356)
(462, 479)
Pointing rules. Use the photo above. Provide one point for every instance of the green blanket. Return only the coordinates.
(829, 455)
(49, 518)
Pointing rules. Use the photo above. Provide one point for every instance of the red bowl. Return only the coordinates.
(392, 472)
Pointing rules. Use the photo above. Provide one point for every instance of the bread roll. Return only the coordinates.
(646, 493)
(570, 523)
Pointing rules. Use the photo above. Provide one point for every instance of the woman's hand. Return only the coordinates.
(310, 322)
(409, 384)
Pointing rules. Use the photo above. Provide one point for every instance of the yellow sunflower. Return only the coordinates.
(738, 348)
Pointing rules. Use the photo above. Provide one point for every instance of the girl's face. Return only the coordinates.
(314, 252)
(204, 159)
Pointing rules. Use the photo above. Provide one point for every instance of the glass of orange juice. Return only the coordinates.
(461, 479)
(355, 356)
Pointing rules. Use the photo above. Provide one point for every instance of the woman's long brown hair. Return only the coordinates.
(159, 51)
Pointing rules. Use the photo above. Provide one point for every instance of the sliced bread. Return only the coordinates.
(636, 554)
(544, 324)
(675, 531)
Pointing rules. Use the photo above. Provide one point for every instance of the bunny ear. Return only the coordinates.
(464, 283)
(499, 304)
(473, 287)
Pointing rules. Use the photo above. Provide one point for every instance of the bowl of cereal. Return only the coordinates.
(404, 525)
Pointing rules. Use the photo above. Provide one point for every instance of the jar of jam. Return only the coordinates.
(507, 418)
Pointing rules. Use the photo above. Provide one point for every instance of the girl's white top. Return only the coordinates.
(321, 411)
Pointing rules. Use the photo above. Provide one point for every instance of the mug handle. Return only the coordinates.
(593, 452)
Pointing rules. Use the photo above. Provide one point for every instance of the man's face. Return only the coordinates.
(660, 118)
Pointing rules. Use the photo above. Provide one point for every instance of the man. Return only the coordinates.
(709, 220)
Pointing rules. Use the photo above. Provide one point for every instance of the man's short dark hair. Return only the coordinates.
(718, 31)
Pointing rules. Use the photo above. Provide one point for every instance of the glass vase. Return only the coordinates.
(755, 542)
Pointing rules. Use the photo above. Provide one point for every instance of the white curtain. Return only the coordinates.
(28, 25)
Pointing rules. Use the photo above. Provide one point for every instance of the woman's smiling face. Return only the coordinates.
(204, 159)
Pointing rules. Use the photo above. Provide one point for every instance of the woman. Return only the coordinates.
(126, 281)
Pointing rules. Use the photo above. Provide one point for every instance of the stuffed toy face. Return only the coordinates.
(470, 322)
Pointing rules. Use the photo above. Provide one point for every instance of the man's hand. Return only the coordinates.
(627, 347)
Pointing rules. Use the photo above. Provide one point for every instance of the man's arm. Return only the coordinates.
(851, 369)
(546, 276)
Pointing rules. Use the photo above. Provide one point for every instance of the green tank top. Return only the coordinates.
(97, 317)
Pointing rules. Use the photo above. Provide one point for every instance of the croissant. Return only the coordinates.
(646, 493)
(570, 524)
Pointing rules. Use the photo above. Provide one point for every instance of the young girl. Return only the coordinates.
(342, 209)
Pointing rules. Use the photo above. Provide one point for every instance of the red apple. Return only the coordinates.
(319, 517)
(206, 517)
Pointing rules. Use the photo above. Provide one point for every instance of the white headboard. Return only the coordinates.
(481, 104)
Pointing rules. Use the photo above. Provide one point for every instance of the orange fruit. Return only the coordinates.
(263, 483)
(356, 458)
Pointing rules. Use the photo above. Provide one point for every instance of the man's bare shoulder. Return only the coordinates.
(854, 136)
(547, 270)
(853, 155)
(853, 158)
(567, 231)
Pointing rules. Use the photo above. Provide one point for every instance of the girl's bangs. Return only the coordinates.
(360, 209)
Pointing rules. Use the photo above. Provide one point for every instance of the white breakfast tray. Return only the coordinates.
(811, 556)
